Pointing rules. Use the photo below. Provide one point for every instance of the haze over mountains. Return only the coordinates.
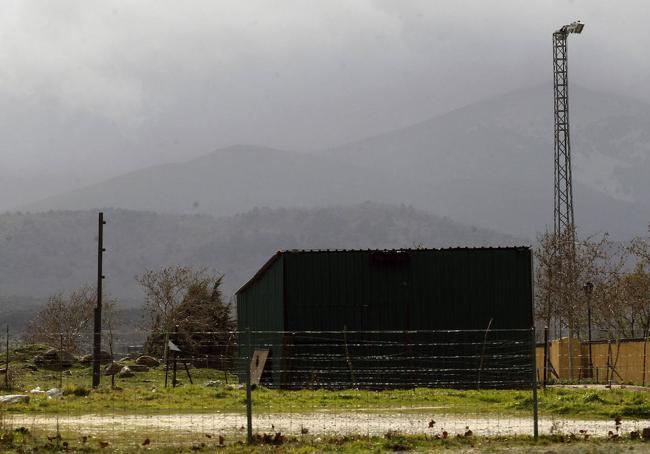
(487, 164)
(46, 253)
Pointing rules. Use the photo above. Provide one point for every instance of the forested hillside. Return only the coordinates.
(45, 253)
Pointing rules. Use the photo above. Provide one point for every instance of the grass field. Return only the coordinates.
(146, 393)
(145, 396)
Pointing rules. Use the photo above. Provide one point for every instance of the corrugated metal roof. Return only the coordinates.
(471, 248)
(277, 255)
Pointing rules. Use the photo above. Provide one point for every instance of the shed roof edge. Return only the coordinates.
(269, 263)
(278, 254)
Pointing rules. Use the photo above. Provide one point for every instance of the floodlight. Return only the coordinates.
(573, 27)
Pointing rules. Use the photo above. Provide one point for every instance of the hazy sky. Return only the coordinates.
(127, 84)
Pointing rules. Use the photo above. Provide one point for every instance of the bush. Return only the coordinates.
(76, 390)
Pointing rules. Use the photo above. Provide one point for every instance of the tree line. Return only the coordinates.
(181, 304)
(592, 283)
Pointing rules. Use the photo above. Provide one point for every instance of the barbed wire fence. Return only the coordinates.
(406, 381)
(228, 387)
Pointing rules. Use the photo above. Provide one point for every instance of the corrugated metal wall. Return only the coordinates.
(417, 289)
(261, 308)
(453, 289)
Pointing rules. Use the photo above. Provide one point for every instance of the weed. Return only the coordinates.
(592, 397)
(76, 390)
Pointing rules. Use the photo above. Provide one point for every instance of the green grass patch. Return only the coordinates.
(146, 393)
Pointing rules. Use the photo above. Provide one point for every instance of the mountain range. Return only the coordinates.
(488, 164)
(46, 253)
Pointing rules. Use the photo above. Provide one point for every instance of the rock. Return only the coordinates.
(138, 368)
(213, 384)
(104, 358)
(645, 433)
(86, 359)
(14, 399)
(37, 390)
(31, 367)
(126, 372)
(148, 361)
(67, 372)
(55, 359)
(125, 359)
(113, 368)
(231, 387)
(54, 392)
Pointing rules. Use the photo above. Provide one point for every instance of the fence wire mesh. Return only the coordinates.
(322, 383)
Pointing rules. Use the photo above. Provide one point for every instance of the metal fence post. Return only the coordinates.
(7, 360)
(545, 379)
(249, 397)
(534, 383)
(61, 361)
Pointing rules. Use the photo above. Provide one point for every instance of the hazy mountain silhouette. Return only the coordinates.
(46, 253)
(487, 164)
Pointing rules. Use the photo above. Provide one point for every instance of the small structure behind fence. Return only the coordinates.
(611, 360)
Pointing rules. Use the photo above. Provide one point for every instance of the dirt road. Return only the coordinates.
(314, 424)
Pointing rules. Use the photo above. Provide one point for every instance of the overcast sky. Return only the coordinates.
(131, 83)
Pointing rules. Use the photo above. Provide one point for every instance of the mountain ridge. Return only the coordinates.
(487, 163)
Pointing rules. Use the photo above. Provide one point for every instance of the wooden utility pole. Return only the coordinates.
(97, 334)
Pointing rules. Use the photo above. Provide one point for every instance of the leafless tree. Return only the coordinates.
(64, 319)
(563, 268)
(165, 290)
(188, 305)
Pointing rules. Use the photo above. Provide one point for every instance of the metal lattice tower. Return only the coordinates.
(564, 227)
(563, 203)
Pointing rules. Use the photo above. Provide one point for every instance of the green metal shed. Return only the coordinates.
(430, 305)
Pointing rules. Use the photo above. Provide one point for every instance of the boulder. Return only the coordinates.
(55, 359)
(138, 368)
(86, 359)
(213, 384)
(126, 372)
(113, 368)
(54, 392)
(104, 358)
(14, 399)
(148, 361)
